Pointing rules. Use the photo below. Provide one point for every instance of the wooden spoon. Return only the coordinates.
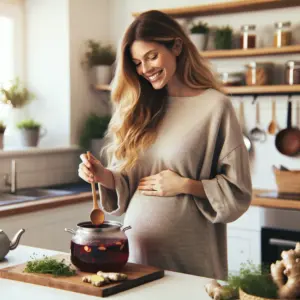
(97, 215)
(272, 129)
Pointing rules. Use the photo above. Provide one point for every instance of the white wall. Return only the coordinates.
(48, 67)
(87, 20)
(265, 154)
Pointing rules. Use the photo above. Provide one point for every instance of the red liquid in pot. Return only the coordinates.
(108, 256)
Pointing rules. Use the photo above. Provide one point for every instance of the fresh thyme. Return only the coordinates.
(49, 266)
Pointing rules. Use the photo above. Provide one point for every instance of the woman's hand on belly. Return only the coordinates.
(166, 183)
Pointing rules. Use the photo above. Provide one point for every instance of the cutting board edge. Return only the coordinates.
(4, 273)
(127, 284)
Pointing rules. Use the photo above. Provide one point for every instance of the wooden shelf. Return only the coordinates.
(246, 90)
(233, 53)
(263, 90)
(227, 8)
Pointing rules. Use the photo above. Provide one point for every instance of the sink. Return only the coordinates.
(6, 199)
(31, 195)
(43, 193)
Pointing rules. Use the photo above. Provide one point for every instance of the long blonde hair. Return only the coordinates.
(138, 108)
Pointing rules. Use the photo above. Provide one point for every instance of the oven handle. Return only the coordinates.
(279, 242)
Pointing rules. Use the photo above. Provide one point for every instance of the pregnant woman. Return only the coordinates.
(178, 166)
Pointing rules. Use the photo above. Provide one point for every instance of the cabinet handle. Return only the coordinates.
(279, 242)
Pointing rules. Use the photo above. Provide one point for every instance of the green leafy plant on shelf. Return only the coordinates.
(29, 124)
(223, 37)
(17, 95)
(94, 127)
(2, 127)
(98, 54)
(199, 28)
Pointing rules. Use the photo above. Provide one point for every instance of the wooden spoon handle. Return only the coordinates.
(95, 203)
(274, 110)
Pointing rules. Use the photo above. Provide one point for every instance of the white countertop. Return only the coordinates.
(173, 286)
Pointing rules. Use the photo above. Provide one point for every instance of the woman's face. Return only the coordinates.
(154, 62)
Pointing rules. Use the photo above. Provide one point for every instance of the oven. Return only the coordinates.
(276, 240)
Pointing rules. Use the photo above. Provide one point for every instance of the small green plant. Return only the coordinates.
(28, 124)
(98, 54)
(223, 38)
(199, 28)
(2, 127)
(94, 128)
(254, 280)
(17, 94)
(48, 265)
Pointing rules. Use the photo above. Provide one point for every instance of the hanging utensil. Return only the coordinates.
(287, 140)
(97, 215)
(257, 133)
(273, 126)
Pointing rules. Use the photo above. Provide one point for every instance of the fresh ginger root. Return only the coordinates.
(113, 276)
(218, 292)
(95, 280)
(103, 278)
(286, 274)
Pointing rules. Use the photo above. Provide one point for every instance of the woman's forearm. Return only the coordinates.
(193, 187)
(107, 179)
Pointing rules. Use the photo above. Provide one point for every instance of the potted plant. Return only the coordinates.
(223, 38)
(30, 132)
(2, 130)
(280, 281)
(99, 58)
(15, 96)
(93, 133)
(199, 34)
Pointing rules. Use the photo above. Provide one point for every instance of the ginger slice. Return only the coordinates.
(114, 277)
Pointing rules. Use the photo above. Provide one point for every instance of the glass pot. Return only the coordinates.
(95, 248)
(282, 34)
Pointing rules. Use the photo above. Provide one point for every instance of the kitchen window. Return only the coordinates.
(11, 44)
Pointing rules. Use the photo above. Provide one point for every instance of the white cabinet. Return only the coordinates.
(45, 228)
(243, 246)
(244, 239)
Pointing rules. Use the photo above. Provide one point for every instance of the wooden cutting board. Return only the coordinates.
(137, 275)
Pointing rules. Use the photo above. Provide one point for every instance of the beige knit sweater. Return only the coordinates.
(200, 138)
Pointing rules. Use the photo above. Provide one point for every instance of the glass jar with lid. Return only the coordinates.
(259, 73)
(282, 34)
(248, 37)
(292, 72)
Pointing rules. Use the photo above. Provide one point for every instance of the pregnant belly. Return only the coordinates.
(155, 217)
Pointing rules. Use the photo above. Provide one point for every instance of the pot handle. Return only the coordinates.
(72, 231)
(126, 228)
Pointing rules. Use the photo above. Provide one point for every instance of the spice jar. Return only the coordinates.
(259, 73)
(248, 37)
(232, 79)
(282, 34)
(292, 72)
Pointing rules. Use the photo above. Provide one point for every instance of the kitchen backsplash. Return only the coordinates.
(41, 167)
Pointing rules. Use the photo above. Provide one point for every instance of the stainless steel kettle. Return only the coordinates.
(6, 244)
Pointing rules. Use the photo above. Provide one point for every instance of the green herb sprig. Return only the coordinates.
(49, 265)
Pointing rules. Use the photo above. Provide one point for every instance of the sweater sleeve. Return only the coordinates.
(115, 202)
(229, 189)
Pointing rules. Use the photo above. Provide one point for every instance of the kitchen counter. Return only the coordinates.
(80, 197)
(172, 286)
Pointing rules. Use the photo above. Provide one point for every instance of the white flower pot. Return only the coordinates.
(101, 75)
(11, 134)
(199, 40)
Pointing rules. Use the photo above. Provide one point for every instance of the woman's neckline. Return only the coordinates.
(189, 97)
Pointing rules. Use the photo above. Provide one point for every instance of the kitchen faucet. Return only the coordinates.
(13, 178)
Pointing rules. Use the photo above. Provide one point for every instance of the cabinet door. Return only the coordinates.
(243, 246)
